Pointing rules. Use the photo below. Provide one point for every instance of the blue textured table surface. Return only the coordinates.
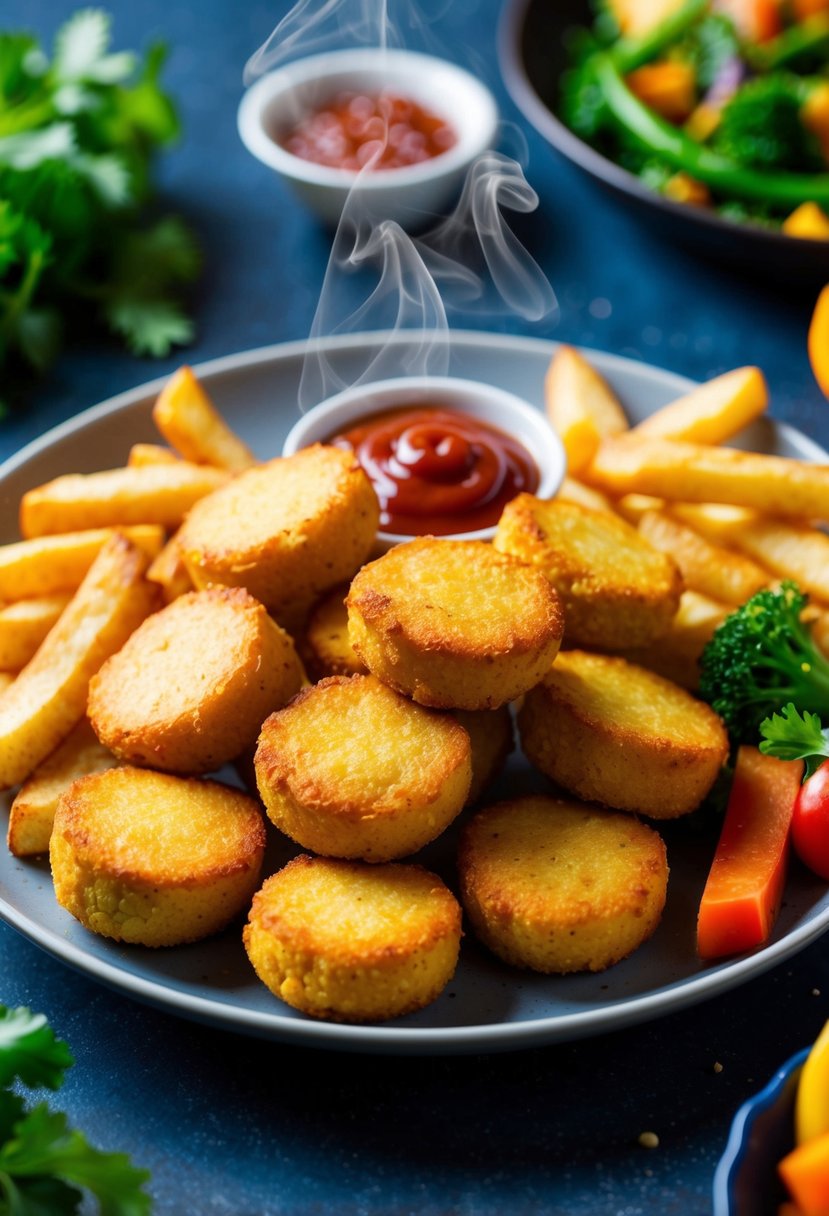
(229, 1125)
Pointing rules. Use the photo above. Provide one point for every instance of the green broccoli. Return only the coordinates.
(760, 658)
(761, 125)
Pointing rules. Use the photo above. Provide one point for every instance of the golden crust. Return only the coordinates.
(352, 769)
(491, 736)
(561, 886)
(191, 687)
(326, 646)
(453, 624)
(618, 591)
(288, 530)
(153, 859)
(618, 734)
(354, 943)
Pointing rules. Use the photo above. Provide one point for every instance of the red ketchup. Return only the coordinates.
(353, 128)
(437, 471)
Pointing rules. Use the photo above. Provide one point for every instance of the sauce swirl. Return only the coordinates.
(437, 471)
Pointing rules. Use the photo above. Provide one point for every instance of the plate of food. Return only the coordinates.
(708, 161)
(487, 1004)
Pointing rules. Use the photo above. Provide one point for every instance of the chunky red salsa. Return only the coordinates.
(353, 129)
(437, 471)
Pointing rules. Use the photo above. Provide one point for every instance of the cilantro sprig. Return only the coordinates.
(792, 735)
(79, 132)
(47, 1167)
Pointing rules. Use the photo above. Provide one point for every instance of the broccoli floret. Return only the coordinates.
(583, 106)
(760, 658)
(761, 126)
(709, 46)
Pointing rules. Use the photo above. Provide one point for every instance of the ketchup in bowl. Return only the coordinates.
(352, 129)
(437, 471)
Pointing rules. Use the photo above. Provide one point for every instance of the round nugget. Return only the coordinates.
(191, 687)
(326, 646)
(352, 769)
(354, 943)
(288, 530)
(152, 859)
(615, 733)
(561, 886)
(618, 590)
(453, 624)
(491, 737)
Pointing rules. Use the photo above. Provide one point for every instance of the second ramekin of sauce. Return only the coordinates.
(394, 131)
(444, 455)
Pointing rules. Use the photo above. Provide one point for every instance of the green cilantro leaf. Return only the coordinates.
(791, 735)
(29, 1050)
(151, 327)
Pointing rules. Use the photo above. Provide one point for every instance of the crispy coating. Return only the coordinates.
(153, 859)
(618, 591)
(490, 733)
(354, 943)
(453, 624)
(561, 886)
(190, 689)
(287, 530)
(612, 732)
(352, 769)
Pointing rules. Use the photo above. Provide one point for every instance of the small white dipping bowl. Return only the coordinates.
(496, 406)
(409, 195)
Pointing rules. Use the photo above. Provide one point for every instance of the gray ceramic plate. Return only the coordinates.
(487, 1006)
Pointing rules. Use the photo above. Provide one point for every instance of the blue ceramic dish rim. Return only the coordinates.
(736, 1147)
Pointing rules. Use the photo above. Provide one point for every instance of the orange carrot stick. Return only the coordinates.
(819, 341)
(742, 895)
(806, 1173)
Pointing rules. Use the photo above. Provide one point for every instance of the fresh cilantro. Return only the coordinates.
(791, 735)
(47, 1168)
(79, 131)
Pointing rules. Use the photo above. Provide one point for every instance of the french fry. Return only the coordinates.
(676, 654)
(32, 811)
(712, 413)
(708, 569)
(715, 521)
(154, 494)
(24, 625)
(793, 551)
(6, 681)
(571, 490)
(581, 407)
(169, 571)
(49, 565)
(48, 698)
(189, 421)
(633, 506)
(142, 454)
(695, 472)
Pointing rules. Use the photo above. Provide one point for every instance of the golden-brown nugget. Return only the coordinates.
(352, 769)
(354, 943)
(490, 734)
(561, 886)
(326, 646)
(153, 859)
(615, 733)
(453, 624)
(287, 530)
(618, 591)
(190, 689)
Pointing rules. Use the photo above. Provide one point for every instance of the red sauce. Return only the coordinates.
(438, 471)
(352, 129)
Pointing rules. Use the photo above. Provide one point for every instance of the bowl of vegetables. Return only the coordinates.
(712, 116)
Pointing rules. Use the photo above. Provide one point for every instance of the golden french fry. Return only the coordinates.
(6, 680)
(793, 551)
(575, 491)
(633, 506)
(49, 565)
(32, 812)
(676, 654)
(154, 494)
(142, 454)
(716, 521)
(48, 698)
(188, 420)
(24, 625)
(708, 569)
(169, 571)
(695, 472)
(712, 413)
(581, 406)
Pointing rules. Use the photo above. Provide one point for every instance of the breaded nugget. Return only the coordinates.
(152, 859)
(190, 689)
(453, 624)
(561, 886)
(326, 647)
(287, 530)
(615, 733)
(351, 942)
(352, 769)
(618, 591)
(490, 733)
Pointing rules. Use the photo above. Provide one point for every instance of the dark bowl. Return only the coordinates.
(531, 47)
(746, 1181)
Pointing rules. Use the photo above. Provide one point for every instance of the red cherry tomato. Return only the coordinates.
(810, 823)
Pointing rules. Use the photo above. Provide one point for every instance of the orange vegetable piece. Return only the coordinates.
(755, 20)
(806, 1173)
(668, 88)
(819, 341)
(742, 895)
(807, 221)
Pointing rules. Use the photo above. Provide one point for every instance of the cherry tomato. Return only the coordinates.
(810, 823)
